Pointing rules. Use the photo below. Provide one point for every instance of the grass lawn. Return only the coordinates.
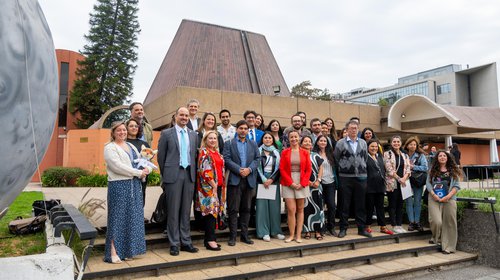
(11, 245)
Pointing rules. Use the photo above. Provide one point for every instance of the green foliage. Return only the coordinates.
(94, 180)
(11, 245)
(105, 77)
(154, 179)
(383, 101)
(305, 90)
(480, 194)
(62, 176)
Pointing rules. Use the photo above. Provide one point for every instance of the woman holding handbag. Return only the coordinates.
(418, 167)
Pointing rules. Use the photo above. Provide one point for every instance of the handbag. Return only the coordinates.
(21, 226)
(160, 213)
(418, 178)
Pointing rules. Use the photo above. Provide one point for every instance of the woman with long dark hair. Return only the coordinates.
(375, 186)
(314, 216)
(277, 132)
(418, 166)
(268, 211)
(328, 181)
(397, 167)
(443, 184)
(332, 132)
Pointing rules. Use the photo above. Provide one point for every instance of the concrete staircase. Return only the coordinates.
(352, 257)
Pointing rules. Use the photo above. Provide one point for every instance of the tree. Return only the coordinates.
(105, 77)
(305, 90)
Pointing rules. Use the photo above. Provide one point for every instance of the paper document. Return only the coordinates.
(269, 193)
(406, 191)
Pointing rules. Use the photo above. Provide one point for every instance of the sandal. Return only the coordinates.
(319, 236)
(307, 235)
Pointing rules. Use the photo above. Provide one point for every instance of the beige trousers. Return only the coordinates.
(443, 221)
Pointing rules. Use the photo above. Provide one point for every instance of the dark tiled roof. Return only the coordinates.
(214, 57)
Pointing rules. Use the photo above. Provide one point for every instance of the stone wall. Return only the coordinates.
(477, 234)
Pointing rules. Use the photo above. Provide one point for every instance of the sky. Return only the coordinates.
(339, 45)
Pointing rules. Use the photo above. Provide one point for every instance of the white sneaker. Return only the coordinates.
(266, 238)
(402, 230)
(280, 236)
(397, 229)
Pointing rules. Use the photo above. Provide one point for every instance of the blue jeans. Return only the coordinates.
(414, 204)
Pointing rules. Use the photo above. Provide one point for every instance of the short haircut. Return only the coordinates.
(131, 107)
(248, 112)
(355, 119)
(313, 121)
(352, 122)
(240, 123)
(224, 111)
(296, 115)
(300, 112)
(193, 101)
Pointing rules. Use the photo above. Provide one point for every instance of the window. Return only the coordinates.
(444, 88)
(63, 94)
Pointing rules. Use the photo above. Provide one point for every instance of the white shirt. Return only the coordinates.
(179, 135)
(194, 123)
(228, 134)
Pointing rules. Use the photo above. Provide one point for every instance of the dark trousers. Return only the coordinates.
(209, 223)
(144, 184)
(329, 198)
(353, 191)
(239, 199)
(395, 206)
(375, 200)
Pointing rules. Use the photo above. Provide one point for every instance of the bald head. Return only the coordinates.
(182, 116)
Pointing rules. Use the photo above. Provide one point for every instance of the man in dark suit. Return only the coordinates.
(241, 157)
(177, 162)
(194, 121)
(254, 133)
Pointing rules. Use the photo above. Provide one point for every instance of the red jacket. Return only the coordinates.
(286, 167)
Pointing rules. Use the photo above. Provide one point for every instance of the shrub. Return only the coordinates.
(94, 180)
(62, 176)
(154, 179)
(475, 193)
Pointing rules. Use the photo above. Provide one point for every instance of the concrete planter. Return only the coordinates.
(477, 234)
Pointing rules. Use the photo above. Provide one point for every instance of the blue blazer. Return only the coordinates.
(233, 162)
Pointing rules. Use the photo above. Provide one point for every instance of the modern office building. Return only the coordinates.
(446, 85)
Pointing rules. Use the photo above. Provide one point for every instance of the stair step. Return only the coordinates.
(271, 269)
(158, 260)
(400, 268)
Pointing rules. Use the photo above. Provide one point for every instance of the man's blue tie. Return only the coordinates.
(184, 149)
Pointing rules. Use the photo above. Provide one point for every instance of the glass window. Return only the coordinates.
(63, 94)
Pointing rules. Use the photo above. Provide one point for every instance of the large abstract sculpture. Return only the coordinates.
(28, 94)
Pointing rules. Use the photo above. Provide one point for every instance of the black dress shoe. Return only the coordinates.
(364, 233)
(342, 233)
(332, 232)
(174, 250)
(247, 240)
(206, 244)
(189, 248)
(212, 248)
(231, 241)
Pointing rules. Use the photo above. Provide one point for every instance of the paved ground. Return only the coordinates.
(477, 272)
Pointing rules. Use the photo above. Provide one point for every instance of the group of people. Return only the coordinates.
(233, 172)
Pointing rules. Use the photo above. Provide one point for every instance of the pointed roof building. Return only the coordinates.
(209, 56)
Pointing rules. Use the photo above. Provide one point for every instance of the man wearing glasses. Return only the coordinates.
(296, 126)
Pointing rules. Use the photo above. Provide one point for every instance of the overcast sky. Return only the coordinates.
(339, 45)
